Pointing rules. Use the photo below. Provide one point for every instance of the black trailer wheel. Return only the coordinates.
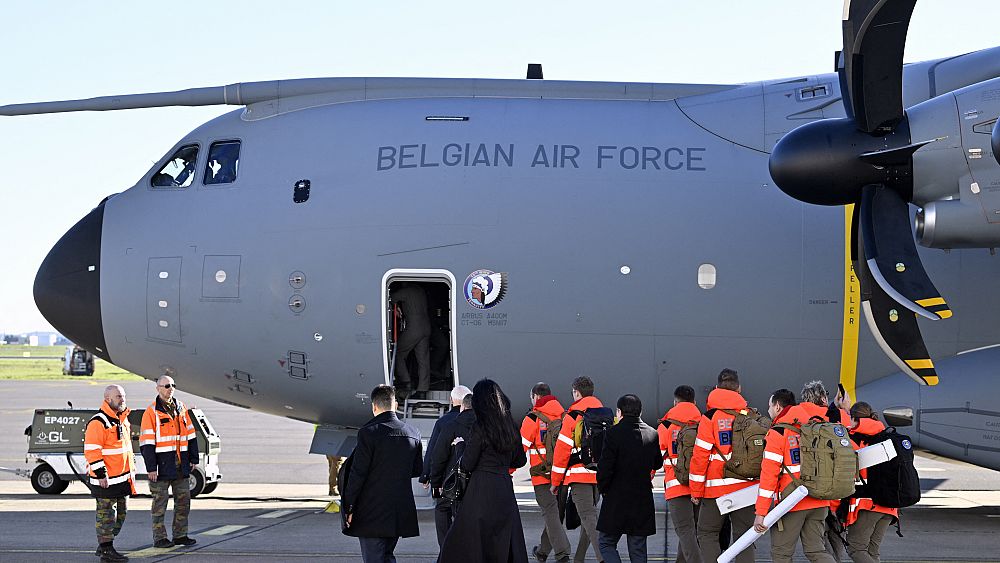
(196, 482)
(210, 488)
(46, 481)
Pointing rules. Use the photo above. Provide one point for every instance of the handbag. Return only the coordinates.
(455, 483)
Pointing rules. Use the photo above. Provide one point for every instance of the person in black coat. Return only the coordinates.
(443, 456)
(624, 476)
(487, 527)
(377, 497)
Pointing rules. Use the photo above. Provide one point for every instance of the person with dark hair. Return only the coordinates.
(539, 434)
(488, 524)
(708, 480)
(377, 499)
(780, 402)
(866, 521)
(568, 468)
(624, 476)
(679, 507)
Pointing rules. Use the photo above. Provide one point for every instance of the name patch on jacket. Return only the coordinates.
(725, 431)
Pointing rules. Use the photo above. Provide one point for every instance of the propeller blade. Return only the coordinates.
(894, 328)
(891, 255)
(874, 37)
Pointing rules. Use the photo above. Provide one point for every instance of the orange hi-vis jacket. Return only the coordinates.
(107, 447)
(533, 434)
(562, 471)
(867, 426)
(782, 448)
(715, 434)
(168, 441)
(687, 413)
(812, 409)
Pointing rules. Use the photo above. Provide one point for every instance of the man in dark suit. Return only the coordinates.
(444, 457)
(377, 497)
(442, 507)
(624, 476)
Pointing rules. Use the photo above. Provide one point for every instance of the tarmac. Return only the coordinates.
(270, 505)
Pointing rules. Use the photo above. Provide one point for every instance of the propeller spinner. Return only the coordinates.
(866, 159)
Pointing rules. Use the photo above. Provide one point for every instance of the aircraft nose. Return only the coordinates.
(68, 284)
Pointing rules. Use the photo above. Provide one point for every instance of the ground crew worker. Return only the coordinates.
(545, 408)
(170, 451)
(582, 481)
(335, 461)
(866, 521)
(707, 477)
(815, 401)
(107, 447)
(806, 520)
(679, 507)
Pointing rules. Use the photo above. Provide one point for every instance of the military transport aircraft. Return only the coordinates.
(639, 233)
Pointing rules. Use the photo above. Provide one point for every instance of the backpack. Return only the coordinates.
(684, 449)
(829, 464)
(894, 483)
(549, 438)
(747, 445)
(588, 435)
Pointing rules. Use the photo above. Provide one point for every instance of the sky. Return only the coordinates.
(56, 168)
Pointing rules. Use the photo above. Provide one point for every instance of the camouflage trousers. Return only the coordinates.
(110, 518)
(182, 507)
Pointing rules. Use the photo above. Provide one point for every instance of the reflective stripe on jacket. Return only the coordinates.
(783, 449)
(167, 441)
(682, 412)
(869, 427)
(533, 436)
(712, 449)
(107, 447)
(562, 471)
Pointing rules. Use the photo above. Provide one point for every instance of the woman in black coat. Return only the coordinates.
(487, 527)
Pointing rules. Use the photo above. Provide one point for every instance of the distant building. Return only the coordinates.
(42, 338)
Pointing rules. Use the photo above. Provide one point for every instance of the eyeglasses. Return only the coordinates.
(168, 386)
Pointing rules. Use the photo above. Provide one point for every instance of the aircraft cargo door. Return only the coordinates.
(420, 359)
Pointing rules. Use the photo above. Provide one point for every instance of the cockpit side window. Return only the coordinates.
(223, 163)
(178, 172)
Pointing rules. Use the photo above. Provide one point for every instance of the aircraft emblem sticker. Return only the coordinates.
(484, 289)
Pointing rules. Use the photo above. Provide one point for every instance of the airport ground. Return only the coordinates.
(270, 504)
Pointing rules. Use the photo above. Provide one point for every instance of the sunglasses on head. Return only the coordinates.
(169, 385)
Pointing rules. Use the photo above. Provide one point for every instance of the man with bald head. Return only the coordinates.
(107, 447)
(170, 451)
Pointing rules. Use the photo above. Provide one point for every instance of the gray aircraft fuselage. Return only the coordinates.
(600, 203)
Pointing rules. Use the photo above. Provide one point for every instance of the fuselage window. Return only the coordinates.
(178, 172)
(223, 163)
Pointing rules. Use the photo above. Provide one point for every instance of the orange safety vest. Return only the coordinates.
(712, 448)
(682, 412)
(783, 449)
(532, 436)
(170, 436)
(576, 473)
(107, 447)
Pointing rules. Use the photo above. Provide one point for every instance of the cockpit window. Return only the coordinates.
(178, 172)
(223, 163)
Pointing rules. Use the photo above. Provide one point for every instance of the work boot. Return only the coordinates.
(185, 541)
(163, 543)
(108, 554)
(540, 557)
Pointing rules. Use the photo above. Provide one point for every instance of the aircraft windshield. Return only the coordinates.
(223, 163)
(178, 172)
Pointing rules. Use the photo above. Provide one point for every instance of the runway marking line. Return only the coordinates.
(223, 530)
(150, 552)
(277, 514)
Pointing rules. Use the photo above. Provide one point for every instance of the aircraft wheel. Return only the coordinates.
(196, 482)
(46, 481)
(210, 488)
